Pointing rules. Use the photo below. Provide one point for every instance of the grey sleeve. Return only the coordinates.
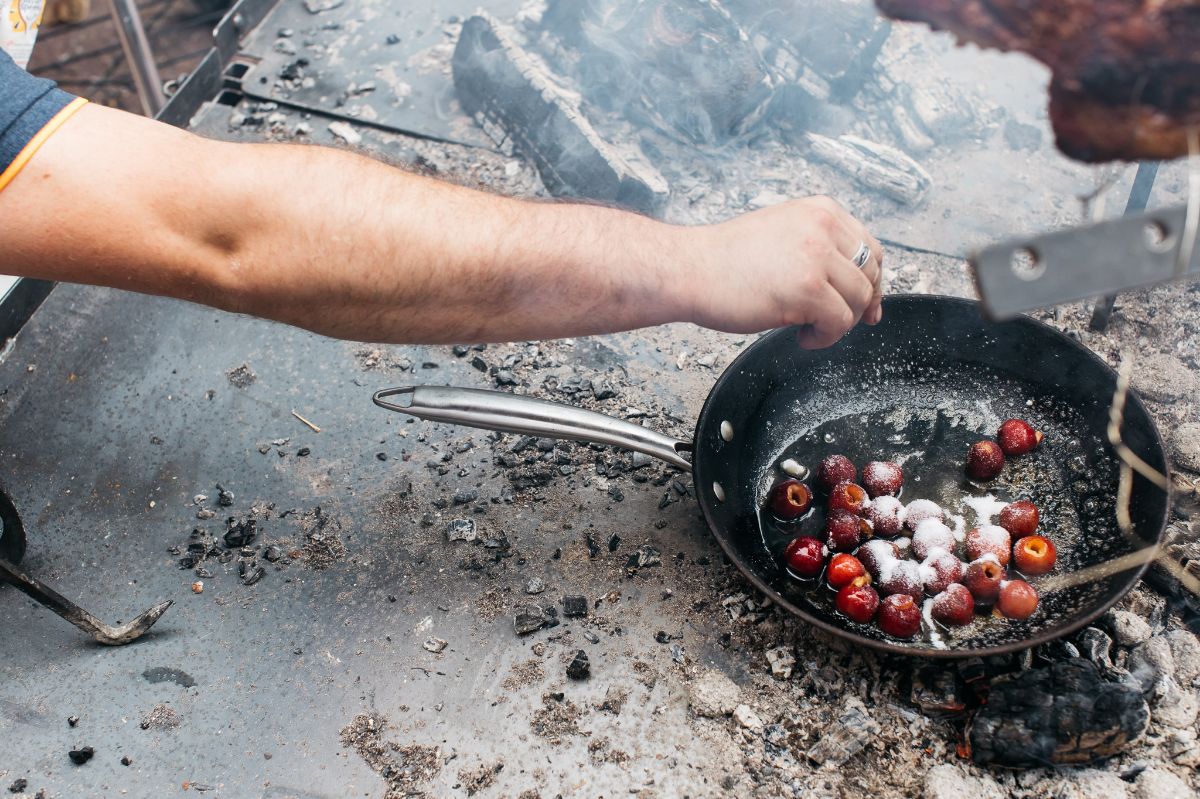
(26, 105)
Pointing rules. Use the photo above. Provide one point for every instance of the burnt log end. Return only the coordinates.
(1066, 713)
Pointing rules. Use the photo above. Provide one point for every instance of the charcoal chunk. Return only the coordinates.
(580, 667)
(241, 532)
(645, 557)
(81, 755)
(461, 530)
(251, 572)
(1065, 713)
(853, 730)
(574, 606)
(528, 619)
(937, 690)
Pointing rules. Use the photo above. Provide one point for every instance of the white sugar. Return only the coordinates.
(935, 637)
(985, 508)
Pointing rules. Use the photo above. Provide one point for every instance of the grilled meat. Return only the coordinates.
(1126, 73)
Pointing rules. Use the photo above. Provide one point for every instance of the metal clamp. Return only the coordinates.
(1071, 265)
(512, 413)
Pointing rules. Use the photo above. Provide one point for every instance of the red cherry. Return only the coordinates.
(985, 459)
(882, 478)
(884, 514)
(954, 607)
(1034, 555)
(844, 530)
(939, 570)
(1017, 599)
(989, 540)
(844, 569)
(919, 510)
(930, 535)
(1018, 437)
(983, 580)
(791, 499)
(848, 496)
(835, 469)
(1020, 518)
(902, 577)
(876, 554)
(899, 616)
(805, 556)
(858, 601)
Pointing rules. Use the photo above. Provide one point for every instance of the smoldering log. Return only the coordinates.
(1063, 714)
(685, 67)
(516, 101)
(876, 166)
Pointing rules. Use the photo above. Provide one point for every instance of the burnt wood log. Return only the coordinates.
(1066, 713)
(520, 105)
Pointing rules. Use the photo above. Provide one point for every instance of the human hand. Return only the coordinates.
(789, 264)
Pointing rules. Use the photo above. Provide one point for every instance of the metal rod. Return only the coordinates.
(1139, 197)
(101, 632)
(139, 55)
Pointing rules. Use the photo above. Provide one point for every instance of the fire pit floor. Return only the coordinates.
(388, 608)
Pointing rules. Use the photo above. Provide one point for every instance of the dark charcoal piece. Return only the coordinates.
(936, 690)
(513, 99)
(224, 496)
(579, 668)
(273, 553)
(241, 532)
(645, 556)
(18, 785)
(574, 606)
(1062, 714)
(845, 738)
(251, 572)
(529, 618)
(81, 756)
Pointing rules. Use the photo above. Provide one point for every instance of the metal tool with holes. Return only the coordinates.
(931, 360)
(1067, 266)
(12, 549)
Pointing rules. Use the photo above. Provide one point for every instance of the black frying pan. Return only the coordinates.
(920, 387)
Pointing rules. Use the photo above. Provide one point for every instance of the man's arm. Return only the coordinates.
(348, 247)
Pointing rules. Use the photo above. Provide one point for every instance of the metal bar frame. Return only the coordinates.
(139, 55)
(1139, 197)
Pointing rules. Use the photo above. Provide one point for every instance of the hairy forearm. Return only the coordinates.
(349, 247)
(352, 248)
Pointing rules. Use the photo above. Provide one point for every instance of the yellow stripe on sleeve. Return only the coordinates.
(38, 140)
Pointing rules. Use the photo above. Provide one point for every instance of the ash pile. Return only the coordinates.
(633, 102)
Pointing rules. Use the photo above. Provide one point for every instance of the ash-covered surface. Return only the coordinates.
(318, 680)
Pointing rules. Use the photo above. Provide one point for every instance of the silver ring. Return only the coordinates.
(861, 257)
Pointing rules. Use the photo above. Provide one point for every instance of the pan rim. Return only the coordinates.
(700, 478)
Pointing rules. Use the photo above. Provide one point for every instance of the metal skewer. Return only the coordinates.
(12, 547)
(101, 632)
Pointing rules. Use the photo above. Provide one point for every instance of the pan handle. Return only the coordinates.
(512, 413)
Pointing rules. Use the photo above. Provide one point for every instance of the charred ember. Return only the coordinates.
(518, 102)
(1124, 84)
(1062, 714)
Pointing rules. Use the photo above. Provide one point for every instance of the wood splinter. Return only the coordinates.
(307, 423)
